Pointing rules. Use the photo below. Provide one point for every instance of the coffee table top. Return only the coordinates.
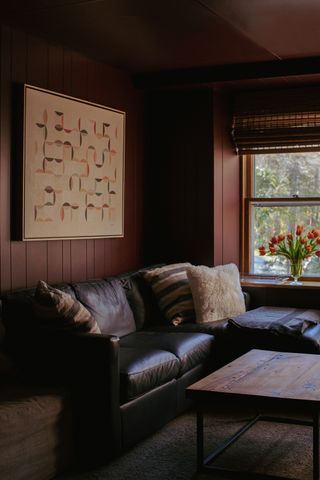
(264, 374)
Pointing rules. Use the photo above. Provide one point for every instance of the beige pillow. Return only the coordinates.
(171, 287)
(59, 310)
(216, 292)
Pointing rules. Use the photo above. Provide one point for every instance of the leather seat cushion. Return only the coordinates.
(191, 349)
(142, 369)
(218, 328)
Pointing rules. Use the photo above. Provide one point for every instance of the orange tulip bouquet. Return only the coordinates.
(296, 247)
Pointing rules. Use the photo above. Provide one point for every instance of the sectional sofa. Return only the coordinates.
(130, 379)
(123, 383)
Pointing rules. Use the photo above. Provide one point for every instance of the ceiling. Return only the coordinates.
(148, 36)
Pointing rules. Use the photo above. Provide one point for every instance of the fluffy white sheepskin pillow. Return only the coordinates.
(216, 292)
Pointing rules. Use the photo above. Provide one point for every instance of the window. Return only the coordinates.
(282, 190)
(277, 134)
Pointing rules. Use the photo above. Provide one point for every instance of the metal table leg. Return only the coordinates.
(199, 439)
(316, 446)
(205, 463)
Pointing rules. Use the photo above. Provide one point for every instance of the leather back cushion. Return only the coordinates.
(107, 303)
(17, 310)
(141, 300)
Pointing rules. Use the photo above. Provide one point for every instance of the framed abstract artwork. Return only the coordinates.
(73, 168)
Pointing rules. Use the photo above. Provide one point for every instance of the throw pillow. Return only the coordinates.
(171, 287)
(216, 292)
(59, 310)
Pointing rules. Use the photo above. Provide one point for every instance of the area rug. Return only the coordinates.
(170, 454)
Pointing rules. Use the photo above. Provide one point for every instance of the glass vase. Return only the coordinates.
(296, 272)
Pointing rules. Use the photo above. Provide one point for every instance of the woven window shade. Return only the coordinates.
(277, 121)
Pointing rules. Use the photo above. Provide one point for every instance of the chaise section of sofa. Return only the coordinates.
(35, 425)
(35, 434)
(278, 328)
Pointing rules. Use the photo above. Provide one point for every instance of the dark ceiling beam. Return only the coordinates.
(224, 73)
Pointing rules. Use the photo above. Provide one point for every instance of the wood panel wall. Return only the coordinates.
(192, 177)
(179, 176)
(25, 58)
(226, 186)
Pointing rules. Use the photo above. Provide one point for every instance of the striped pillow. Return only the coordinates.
(59, 310)
(170, 285)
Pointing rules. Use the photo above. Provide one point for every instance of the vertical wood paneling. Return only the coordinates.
(217, 180)
(231, 202)
(5, 140)
(110, 244)
(107, 254)
(98, 267)
(79, 70)
(192, 184)
(90, 259)
(112, 255)
(90, 243)
(139, 183)
(55, 82)
(179, 166)
(66, 260)
(135, 200)
(67, 89)
(18, 74)
(108, 88)
(128, 244)
(95, 86)
(226, 188)
(37, 74)
(28, 59)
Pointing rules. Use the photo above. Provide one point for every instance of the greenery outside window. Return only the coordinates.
(280, 191)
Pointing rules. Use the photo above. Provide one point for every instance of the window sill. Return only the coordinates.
(276, 282)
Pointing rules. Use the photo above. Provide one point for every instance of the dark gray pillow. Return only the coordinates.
(56, 309)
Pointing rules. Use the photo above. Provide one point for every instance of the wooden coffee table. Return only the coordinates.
(263, 380)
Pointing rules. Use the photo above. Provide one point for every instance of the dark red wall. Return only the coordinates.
(28, 59)
(226, 185)
(179, 176)
(192, 178)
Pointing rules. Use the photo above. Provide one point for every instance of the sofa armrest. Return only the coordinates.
(312, 335)
(246, 296)
(95, 377)
(88, 365)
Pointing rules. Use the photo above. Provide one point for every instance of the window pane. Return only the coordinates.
(287, 174)
(268, 221)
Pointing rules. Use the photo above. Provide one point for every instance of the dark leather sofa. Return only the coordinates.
(131, 379)
(126, 382)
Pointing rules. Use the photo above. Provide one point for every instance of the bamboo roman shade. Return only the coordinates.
(277, 121)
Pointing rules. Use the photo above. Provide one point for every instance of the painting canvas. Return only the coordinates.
(73, 168)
